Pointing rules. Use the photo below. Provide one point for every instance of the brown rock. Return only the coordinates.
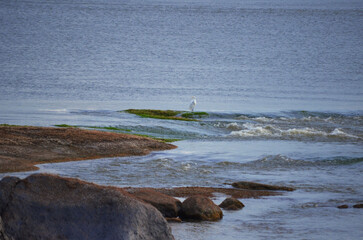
(21, 146)
(259, 186)
(200, 208)
(209, 192)
(360, 205)
(167, 205)
(343, 206)
(231, 204)
(44, 206)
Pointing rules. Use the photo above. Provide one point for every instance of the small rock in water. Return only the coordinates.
(167, 205)
(360, 205)
(343, 206)
(200, 208)
(231, 204)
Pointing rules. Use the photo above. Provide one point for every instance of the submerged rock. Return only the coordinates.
(231, 204)
(167, 205)
(259, 186)
(343, 206)
(46, 206)
(200, 208)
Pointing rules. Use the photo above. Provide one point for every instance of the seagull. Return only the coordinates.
(192, 104)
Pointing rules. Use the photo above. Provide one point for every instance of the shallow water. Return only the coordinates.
(280, 80)
(324, 166)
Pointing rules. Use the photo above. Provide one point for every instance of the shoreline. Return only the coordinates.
(22, 147)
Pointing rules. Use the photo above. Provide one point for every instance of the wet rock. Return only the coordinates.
(231, 204)
(342, 206)
(210, 191)
(360, 205)
(3, 236)
(200, 208)
(259, 186)
(44, 206)
(7, 185)
(167, 205)
(178, 220)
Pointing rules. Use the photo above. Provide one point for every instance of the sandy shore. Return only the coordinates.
(21, 147)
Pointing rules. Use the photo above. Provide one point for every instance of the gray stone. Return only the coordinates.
(46, 206)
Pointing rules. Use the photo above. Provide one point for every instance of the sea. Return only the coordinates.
(281, 81)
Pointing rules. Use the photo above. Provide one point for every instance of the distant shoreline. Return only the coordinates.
(22, 147)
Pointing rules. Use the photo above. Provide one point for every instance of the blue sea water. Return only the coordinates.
(281, 81)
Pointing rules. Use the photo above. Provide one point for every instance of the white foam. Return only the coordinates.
(252, 130)
(263, 119)
(304, 132)
(340, 133)
(258, 130)
(233, 126)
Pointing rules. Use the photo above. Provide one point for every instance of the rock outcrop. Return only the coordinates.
(231, 204)
(360, 205)
(259, 186)
(167, 205)
(21, 147)
(44, 206)
(200, 208)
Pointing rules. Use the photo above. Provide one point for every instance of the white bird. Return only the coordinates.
(193, 103)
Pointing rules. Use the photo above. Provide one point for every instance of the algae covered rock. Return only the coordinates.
(44, 206)
(200, 208)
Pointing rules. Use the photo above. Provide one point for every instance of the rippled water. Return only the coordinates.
(280, 80)
(319, 154)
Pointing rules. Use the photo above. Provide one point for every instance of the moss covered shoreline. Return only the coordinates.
(167, 114)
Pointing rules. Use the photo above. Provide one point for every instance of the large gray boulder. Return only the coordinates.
(44, 206)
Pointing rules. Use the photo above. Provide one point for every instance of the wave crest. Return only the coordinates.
(270, 131)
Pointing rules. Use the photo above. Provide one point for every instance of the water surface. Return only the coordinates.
(281, 82)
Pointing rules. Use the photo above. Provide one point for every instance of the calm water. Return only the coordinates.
(281, 81)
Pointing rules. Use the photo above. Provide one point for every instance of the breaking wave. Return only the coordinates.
(271, 131)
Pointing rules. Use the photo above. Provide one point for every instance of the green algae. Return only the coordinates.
(9, 125)
(125, 131)
(165, 140)
(167, 114)
(110, 128)
(65, 126)
(195, 114)
(93, 127)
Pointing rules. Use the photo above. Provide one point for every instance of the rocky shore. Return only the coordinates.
(21, 147)
(45, 206)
